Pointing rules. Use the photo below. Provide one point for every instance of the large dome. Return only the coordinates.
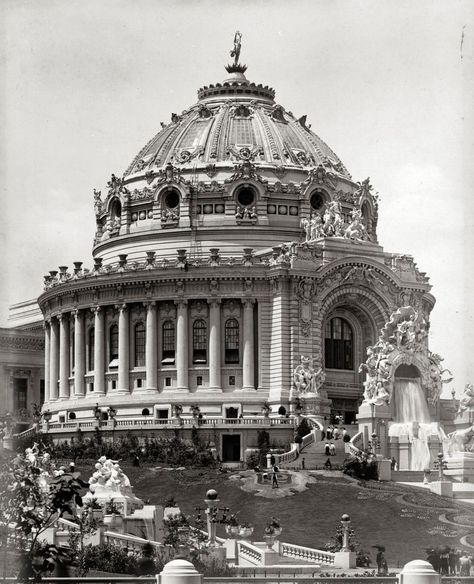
(234, 167)
(230, 117)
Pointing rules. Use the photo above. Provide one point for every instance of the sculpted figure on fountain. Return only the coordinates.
(403, 340)
(466, 402)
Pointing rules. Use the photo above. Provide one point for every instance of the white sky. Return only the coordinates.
(387, 84)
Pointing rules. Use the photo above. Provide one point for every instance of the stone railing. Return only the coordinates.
(250, 552)
(163, 423)
(131, 542)
(299, 552)
(132, 266)
(293, 453)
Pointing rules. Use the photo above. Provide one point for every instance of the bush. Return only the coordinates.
(303, 428)
(360, 468)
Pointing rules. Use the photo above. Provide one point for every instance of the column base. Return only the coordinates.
(145, 391)
(248, 388)
(63, 398)
(213, 388)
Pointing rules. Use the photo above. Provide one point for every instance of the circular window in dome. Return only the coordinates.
(317, 201)
(172, 199)
(246, 196)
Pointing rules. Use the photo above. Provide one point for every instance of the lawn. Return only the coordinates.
(404, 519)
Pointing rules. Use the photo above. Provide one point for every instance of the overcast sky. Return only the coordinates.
(388, 85)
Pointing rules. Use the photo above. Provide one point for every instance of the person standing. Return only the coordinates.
(464, 565)
(275, 470)
(327, 449)
(332, 449)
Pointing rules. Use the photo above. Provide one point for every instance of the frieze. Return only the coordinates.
(145, 194)
(285, 188)
(21, 343)
(185, 155)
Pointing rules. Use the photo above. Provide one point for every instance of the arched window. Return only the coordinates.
(90, 350)
(199, 341)
(113, 342)
(168, 342)
(115, 209)
(338, 344)
(139, 345)
(231, 340)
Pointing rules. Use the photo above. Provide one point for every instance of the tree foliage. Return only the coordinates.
(33, 496)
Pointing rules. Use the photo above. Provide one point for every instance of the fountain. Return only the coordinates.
(403, 383)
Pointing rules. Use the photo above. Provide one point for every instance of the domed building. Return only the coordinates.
(236, 269)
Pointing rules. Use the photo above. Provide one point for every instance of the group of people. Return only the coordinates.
(334, 432)
(330, 449)
(450, 561)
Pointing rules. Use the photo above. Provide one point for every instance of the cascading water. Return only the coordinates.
(412, 419)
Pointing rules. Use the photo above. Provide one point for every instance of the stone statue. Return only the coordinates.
(108, 476)
(466, 401)
(356, 230)
(97, 202)
(461, 441)
(235, 52)
(333, 221)
(306, 379)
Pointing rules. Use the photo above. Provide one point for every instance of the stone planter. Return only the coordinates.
(232, 530)
(245, 532)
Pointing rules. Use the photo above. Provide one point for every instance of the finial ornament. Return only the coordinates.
(236, 50)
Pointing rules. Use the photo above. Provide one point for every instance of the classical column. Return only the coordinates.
(54, 354)
(47, 359)
(99, 356)
(123, 383)
(248, 381)
(182, 344)
(151, 351)
(63, 356)
(79, 354)
(214, 344)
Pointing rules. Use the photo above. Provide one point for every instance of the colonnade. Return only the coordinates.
(58, 350)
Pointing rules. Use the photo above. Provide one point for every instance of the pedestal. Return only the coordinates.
(443, 488)
(384, 467)
(461, 467)
(315, 405)
(345, 560)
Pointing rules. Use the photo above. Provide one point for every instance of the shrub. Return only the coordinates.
(360, 467)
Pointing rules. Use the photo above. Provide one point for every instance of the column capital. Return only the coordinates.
(149, 304)
(46, 323)
(63, 316)
(96, 309)
(247, 302)
(212, 301)
(121, 307)
(76, 313)
(181, 302)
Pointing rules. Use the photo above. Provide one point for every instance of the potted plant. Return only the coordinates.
(232, 527)
(112, 516)
(95, 509)
(272, 530)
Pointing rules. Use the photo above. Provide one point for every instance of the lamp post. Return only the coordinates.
(112, 412)
(345, 522)
(212, 518)
(441, 465)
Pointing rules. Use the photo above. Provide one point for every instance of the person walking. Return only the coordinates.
(336, 433)
(332, 449)
(327, 449)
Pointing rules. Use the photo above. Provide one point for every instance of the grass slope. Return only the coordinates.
(404, 519)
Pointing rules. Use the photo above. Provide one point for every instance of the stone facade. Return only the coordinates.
(234, 244)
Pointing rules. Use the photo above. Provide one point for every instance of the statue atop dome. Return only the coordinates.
(236, 67)
(237, 44)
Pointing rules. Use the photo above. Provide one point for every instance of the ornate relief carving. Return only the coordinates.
(231, 308)
(21, 343)
(403, 340)
(169, 174)
(307, 379)
(245, 170)
(304, 290)
(320, 176)
(214, 286)
(199, 309)
(245, 153)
